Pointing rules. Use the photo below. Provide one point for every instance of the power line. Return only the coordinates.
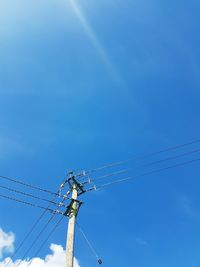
(30, 204)
(154, 162)
(145, 174)
(37, 221)
(38, 236)
(35, 240)
(171, 158)
(44, 242)
(100, 186)
(143, 156)
(28, 185)
(90, 180)
(29, 195)
(28, 234)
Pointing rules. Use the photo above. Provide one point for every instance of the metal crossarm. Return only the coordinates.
(72, 181)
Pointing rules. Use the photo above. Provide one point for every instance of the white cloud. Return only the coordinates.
(55, 259)
(6, 242)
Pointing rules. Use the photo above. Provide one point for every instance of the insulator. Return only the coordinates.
(100, 261)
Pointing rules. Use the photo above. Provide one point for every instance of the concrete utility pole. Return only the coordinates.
(76, 189)
(71, 228)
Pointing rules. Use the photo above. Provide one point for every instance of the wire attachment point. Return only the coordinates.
(100, 261)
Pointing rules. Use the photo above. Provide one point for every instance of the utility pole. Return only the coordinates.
(76, 189)
(71, 229)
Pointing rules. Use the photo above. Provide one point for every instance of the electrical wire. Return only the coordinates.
(44, 242)
(30, 204)
(143, 156)
(31, 230)
(29, 195)
(35, 240)
(111, 174)
(28, 185)
(171, 158)
(43, 229)
(107, 175)
(27, 236)
(89, 243)
(38, 220)
(104, 176)
(145, 174)
(37, 237)
(159, 161)
(90, 180)
(119, 163)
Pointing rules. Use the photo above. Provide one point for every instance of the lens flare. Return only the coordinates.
(92, 36)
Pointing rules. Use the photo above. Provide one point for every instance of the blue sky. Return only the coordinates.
(85, 83)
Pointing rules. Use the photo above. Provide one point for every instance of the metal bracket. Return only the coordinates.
(72, 181)
(70, 210)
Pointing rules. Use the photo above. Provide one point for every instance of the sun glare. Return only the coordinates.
(92, 36)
